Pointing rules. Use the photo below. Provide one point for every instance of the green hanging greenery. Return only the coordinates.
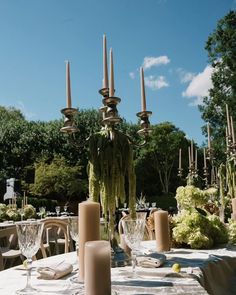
(110, 162)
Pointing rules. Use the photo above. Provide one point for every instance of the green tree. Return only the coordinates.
(59, 180)
(159, 158)
(221, 47)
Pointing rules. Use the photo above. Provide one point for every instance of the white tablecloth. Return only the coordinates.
(215, 269)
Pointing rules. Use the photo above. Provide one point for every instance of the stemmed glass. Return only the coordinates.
(42, 211)
(133, 234)
(74, 230)
(29, 239)
(58, 209)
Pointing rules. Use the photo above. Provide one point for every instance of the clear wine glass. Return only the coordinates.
(42, 211)
(74, 230)
(58, 209)
(133, 234)
(29, 239)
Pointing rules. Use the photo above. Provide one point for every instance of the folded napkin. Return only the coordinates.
(55, 272)
(151, 260)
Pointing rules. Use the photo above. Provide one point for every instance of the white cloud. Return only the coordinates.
(156, 82)
(132, 75)
(185, 76)
(149, 61)
(199, 86)
(28, 115)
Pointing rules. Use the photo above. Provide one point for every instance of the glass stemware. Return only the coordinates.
(29, 239)
(133, 234)
(74, 230)
(58, 209)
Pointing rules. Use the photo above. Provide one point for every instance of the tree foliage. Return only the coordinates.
(221, 47)
(159, 157)
(58, 179)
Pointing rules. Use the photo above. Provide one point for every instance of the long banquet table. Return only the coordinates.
(213, 269)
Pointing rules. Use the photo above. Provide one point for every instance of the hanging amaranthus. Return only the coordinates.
(110, 164)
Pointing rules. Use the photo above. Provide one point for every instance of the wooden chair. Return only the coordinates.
(57, 234)
(9, 251)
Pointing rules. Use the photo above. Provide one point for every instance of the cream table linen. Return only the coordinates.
(214, 269)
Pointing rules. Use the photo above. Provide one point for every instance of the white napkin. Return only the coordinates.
(55, 271)
(150, 262)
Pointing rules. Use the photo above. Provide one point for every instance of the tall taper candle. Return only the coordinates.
(89, 229)
(68, 90)
(111, 82)
(209, 136)
(143, 96)
(180, 164)
(195, 159)
(105, 71)
(97, 277)
(232, 129)
(204, 157)
(192, 158)
(189, 156)
(162, 232)
(228, 120)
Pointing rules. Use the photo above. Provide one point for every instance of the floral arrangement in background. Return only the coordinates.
(196, 225)
(9, 212)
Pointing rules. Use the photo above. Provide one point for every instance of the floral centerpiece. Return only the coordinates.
(195, 226)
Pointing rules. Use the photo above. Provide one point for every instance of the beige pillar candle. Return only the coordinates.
(234, 205)
(97, 260)
(162, 231)
(180, 156)
(233, 216)
(204, 157)
(228, 120)
(105, 71)
(143, 96)
(89, 229)
(111, 82)
(22, 204)
(209, 135)
(232, 129)
(26, 200)
(68, 89)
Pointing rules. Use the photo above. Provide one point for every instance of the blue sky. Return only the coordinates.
(166, 37)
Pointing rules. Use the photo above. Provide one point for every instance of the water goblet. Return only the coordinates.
(42, 211)
(58, 209)
(133, 235)
(74, 230)
(29, 239)
(22, 213)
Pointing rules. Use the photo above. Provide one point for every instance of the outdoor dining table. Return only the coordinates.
(213, 269)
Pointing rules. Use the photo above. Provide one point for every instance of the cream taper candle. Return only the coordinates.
(204, 157)
(143, 96)
(232, 129)
(105, 71)
(111, 82)
(209, 135)
(180, 156)
(228, 120)
(97, 277)
(89, 229)
(68, 89)
(162, 232)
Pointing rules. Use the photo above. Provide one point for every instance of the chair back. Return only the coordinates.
(55, 229)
